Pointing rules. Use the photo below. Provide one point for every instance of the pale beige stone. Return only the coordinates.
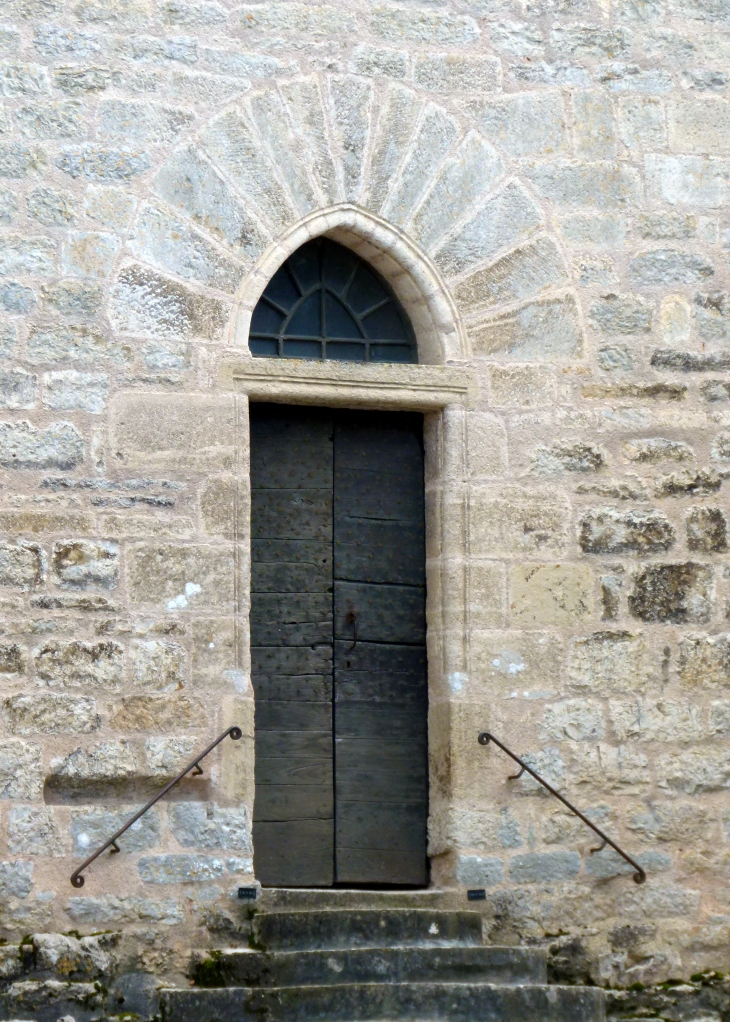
(516, 521)
(550, 594)
(610, 661)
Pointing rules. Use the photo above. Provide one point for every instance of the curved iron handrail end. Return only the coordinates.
(76, 878)
(640, 873)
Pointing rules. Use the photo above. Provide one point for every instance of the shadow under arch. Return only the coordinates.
(412, 276)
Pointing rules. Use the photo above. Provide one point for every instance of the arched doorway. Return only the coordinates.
(337, 596)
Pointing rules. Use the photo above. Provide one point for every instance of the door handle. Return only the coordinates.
(351, 619)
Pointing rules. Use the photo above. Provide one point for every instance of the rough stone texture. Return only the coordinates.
(84, 564)
(50, 714)
(609, 531)
(79, 664)
(673, 592)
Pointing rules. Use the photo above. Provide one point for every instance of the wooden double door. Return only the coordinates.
(338, 638)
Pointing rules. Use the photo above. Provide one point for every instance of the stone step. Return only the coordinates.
(373, 1002)
(299, 899)
(340, 928)
(499, 965)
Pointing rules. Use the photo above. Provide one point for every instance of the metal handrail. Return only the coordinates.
(235, 732)
(639, 876)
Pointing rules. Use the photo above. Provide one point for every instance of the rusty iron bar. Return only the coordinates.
(235, 732)
(639, 876)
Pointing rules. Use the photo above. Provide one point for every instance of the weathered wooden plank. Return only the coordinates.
(378, 770)
(287, 421)
(272, 660)
(380, 551)
(387, 720)
(381, 658)
(299, 566)
(293, 802)
(294, 744)
(292, 514)
(384, 441)
(292, 715)
(291, 619)
(380, 866)
(298, 853)
(314, 688)
(382, 613)
(291, 770)
(398, 826)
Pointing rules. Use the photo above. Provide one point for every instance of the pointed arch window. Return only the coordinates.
(325, 302)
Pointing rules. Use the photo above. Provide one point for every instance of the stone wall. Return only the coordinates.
(544, 183)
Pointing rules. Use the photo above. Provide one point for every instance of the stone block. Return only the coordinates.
(72, 342)
(50, 713)
(610, 531)
(185, 869)
(304, 19)
(165, 757)
(145, 49)
(719, 720)
(660, 902)
(69, 390)
(206, 825)
(18, 389)
(720, 450)
(12, 660)
(601, 184)
(92, 827)
(16, 879)
(518, 522)
(86, 564)
(652, 450)
(478, 871)
(113, 761)
(158, 713)
(599, 229)
(607, 864)
(52, 207)
(173, 246)
(565, 456)
(595, 269)
(179, 577)
(684, 822)
(175, 12)
(502, 222)
(150, 305)
(22, 445)
(668, 225)
(487, 594)
(699, 80)
(374, 61)
(248, 65)
(11, 42)
(434, 137)
(524, 386)
(34, 256)
(700, 125)
(706, 530)
(615, 358)
(15, 297)
(78, 79)
(22, 565)
(90, 254)
(528, 124)
(109, 205)
(577, 720)
(112, 908)
(695, 770)
(687, 180)
(75, 664)
(656, 720)
(712, 316)
(17, 160)
(8, 206)
(688, 362)
(664, 267)
(610, 768)
(677, 593)
(453, 72)
(214, 655)
(51, 120)
(704, 661)
(142, 122)
(546, 330)
(622, 314)
(524, 273)
(610, 661)
(33, 830)
(550, 594)
(54, 41)
(518, 38)
(486, 445)
(158, 666)
(23, 80)
(96, 162)
(715, 390)
(544, 867)
(420, 25)
(21, 772)
(590, 41)
(641, 122)
(593, 130)
(688, 482)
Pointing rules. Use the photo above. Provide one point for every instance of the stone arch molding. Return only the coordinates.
(403, 181)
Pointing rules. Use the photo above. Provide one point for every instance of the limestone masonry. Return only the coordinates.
(545, 184)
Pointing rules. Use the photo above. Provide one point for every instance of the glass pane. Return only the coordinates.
(306, 321)
(386, 324)
(304, 265)
(266, 320)
(365, 291)
(342, 351)
(337, 320)
(281, 290)
(263, 347)
(337, 266)
(302, 349)
(392, 353)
